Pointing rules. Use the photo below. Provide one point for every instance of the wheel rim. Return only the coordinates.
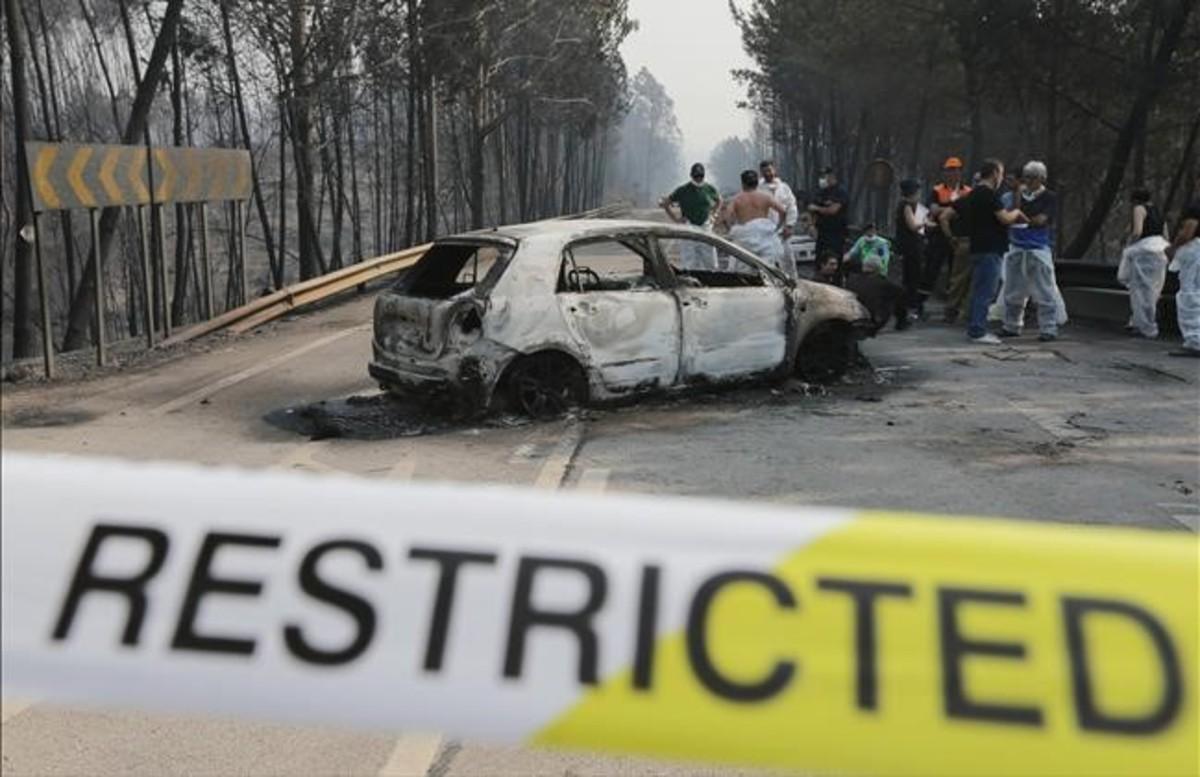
(542, 391)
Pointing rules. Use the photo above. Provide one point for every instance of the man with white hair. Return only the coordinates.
(1029, 264)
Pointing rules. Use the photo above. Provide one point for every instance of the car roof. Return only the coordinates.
(570, 229)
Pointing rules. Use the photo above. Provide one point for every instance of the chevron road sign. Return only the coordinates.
(67, 176)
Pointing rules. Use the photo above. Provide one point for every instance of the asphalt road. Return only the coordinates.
(1095, 428)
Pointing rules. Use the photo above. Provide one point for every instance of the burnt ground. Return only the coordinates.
(382, 416)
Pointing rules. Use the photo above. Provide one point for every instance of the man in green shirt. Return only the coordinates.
(695, 203)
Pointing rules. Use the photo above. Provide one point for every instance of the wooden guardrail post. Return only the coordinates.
(43, 298)
(97, 262)
(205, 266)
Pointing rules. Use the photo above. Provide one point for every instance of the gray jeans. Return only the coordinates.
(1027, 276)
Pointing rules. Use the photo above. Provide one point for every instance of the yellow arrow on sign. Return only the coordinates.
(167, 185)
(75, 176)
(107, 167)
(135, 176)
(41, 175)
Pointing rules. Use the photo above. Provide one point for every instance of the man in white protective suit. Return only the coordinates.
(751, 225)
(1028, 271)
(770, 182)
(1186, 262)
(1143, 268)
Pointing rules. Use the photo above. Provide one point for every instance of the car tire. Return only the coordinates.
(827, 353)
(545, 386)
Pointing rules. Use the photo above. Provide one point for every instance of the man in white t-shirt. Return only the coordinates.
(770, 182)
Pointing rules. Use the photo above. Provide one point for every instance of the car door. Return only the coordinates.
(734, 318)
(612, 297)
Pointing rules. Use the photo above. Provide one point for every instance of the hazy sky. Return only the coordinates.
(690, 46)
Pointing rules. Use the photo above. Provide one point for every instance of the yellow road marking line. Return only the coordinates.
(554, 470)
(412, 756)
(403, 470)
(593, 480)
(232, 380)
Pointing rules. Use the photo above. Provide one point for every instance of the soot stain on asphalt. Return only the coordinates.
(42, 419)
(382, 416)
(377, 417)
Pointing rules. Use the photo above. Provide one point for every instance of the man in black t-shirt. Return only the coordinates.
(1186, 262)
(829, 210)
(987, 223)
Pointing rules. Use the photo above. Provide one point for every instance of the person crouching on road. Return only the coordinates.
(1186, 262)
(697, 203)
(751, 223)
(867, 276)
(827, 270)
(1143, 268)
(987, 230)
(1029, 265)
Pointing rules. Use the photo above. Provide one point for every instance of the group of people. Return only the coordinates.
(1151, 254)
(995, 235)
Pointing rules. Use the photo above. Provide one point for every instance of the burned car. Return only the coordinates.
(538, 317)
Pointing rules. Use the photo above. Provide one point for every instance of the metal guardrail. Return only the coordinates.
(278, 304)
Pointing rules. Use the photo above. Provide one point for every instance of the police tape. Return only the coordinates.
(713, 632)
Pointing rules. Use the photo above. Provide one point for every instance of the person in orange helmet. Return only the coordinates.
(948, 244)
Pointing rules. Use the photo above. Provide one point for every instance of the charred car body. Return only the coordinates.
(541, 316)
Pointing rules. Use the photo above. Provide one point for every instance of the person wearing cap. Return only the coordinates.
(909, 229)
(697, 203)
(770, 182)
(948, 244)
(830, 211)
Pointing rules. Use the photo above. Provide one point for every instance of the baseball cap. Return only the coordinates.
(953, 163)
(697, 170)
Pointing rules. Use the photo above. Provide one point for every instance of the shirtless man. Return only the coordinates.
(750, 223)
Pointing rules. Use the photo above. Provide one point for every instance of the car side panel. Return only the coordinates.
(630, 337)
(731, 333)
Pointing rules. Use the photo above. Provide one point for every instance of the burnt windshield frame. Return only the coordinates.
(438, 270)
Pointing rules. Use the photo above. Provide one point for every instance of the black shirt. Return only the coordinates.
(833, 225)
(1191, 212)
(1153, 224)
(908, 242)
(986, 233)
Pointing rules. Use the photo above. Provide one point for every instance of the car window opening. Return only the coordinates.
(699, 264)
(450, 269)
(607, 265)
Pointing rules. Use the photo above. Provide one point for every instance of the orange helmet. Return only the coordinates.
(953, 163)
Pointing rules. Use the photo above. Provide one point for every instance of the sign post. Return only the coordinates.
(69, 176)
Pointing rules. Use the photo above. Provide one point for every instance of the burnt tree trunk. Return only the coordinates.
(81, 312)
(1154, 80)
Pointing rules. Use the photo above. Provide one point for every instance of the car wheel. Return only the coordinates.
(826, 354)
(545, 386)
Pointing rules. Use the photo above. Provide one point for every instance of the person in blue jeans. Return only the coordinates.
(987, 220)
